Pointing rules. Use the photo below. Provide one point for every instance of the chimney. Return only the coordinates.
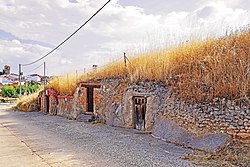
(94, 67)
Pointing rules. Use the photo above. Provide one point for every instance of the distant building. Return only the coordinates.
(4, 80)
(94, 67)
(45, 79)
(13, 77)
(34, 77)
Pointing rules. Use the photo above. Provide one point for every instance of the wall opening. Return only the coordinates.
(90, 94)
(39, 103)
(90, 99)
(139, 109)
(47, 104)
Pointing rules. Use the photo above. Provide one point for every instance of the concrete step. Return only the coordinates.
(85, 117)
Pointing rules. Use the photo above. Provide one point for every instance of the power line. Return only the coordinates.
(68, 36)
(35, 68)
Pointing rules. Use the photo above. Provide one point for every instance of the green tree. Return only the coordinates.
(9, 91)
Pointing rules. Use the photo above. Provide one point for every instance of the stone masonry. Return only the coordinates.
(165, 116)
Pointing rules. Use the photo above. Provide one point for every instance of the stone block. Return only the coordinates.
(243, 135)
(170, 131)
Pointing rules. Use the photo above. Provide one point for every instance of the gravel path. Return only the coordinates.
(61, 142)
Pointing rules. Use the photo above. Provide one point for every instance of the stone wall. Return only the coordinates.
(116, 106)
(65, 107)
(29, 107)
(166, 117)
(221, 115)
(109, 98)
(80, 100)
(53, 101)
(200, 126)
(70, 106)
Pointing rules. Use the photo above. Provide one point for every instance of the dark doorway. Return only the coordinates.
(39, 103)
(90, 99)
(47, 104)
(139, 112)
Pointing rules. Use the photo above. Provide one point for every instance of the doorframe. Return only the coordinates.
(90, 89)
(134, 112)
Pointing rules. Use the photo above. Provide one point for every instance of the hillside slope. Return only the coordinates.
(195, 71)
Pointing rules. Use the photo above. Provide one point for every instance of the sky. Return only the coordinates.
(31, 28)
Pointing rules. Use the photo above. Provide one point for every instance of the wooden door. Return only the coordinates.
(139, 112)
(90, 99)
(47, 104)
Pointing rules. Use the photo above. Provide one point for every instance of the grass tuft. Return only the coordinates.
(27, 100)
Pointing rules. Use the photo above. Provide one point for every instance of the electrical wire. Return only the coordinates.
(68, 36)
(35, 68)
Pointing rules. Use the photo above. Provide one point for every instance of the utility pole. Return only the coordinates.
(20, 79)
(44, 74)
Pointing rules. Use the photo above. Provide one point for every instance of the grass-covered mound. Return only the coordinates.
(28, 102)
(195, 71)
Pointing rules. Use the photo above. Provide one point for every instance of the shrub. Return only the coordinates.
(9, 91)
(28, 88)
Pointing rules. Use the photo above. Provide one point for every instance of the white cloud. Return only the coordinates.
(116, 29)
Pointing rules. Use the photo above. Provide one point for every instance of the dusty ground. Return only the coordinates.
(235, 154)
(35, 139)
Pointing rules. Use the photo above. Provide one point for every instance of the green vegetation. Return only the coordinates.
(9, 91)
(12, 92)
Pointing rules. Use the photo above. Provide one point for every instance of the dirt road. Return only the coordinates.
(35, 139)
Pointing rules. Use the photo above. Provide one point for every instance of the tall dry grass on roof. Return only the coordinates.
(65, 84)
(195, 71)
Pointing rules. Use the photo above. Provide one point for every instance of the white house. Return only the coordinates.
(4, 80)
(13, 77)
(34, 77)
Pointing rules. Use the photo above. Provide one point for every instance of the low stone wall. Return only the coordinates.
(29, 107)
(65, 107)
(200, 126)
(222, 115)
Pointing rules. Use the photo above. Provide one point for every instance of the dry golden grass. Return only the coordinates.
(28, 99)
(196, 71)
(66, 84)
